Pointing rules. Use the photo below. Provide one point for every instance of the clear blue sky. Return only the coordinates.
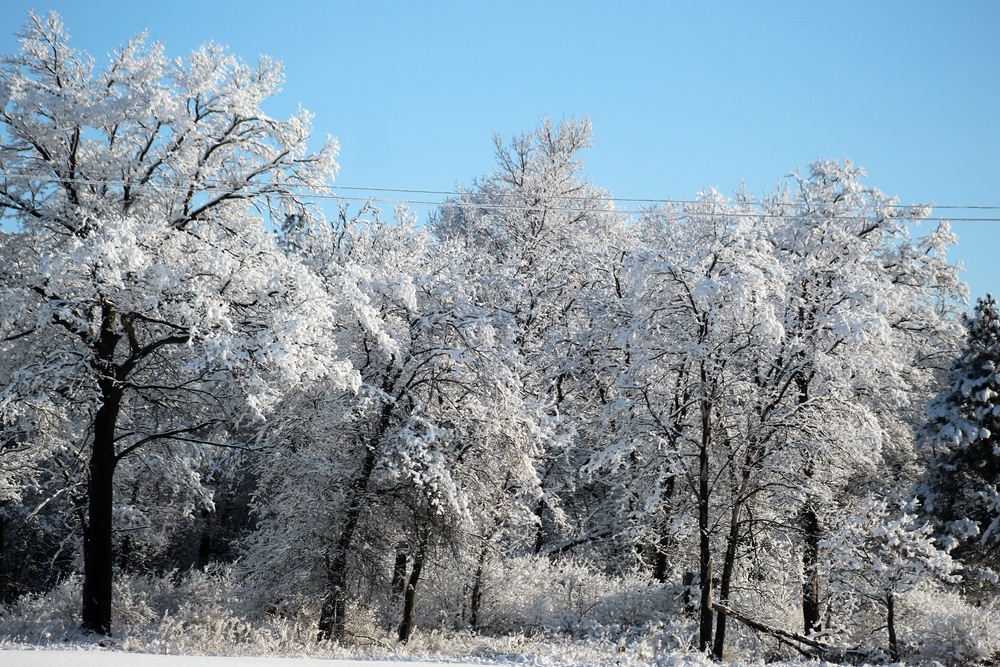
(683, 96)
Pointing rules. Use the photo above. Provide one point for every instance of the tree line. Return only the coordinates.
(727, 396)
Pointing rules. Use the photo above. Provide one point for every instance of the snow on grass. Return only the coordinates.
(100, 658)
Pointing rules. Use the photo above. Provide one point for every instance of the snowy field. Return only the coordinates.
(39, 658)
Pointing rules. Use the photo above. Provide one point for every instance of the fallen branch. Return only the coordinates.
(771, 630)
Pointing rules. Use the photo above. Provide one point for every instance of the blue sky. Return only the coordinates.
(683, 96)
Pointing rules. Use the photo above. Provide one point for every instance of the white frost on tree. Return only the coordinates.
(881, 554)
(146, 309)
(962, 440)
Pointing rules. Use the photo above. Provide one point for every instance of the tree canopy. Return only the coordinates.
(532, 412)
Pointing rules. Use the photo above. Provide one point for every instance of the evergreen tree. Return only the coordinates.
(963, 436)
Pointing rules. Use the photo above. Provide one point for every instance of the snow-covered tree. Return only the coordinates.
(879, 554)
(545, 250)
(692, 427)
(708, 393)
(869, 318)
(962, 438)
(430, 452)
(775, 351)
(146, 311)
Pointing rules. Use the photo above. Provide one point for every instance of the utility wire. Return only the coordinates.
(330, 189)
(329, 194)
(636, 200)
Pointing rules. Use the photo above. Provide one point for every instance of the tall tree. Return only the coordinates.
(769, 344)
(142, 295)
(417, 455)
(701, 286)
(546, 249)
(869, 320)
(962, 437)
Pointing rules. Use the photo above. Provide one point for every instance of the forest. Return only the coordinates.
(236, 410)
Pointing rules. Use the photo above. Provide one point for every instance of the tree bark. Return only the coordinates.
(727, 569)
(660, 562)
(704, 543)
(332, 613)
(97, 534)
(687, 579)
(477, 587)
(663, 545)
(774, 632)
(810, 570)
(890, 623)
(705, 609)
(539, 527)
(399, 571)
(98, 530)
(5, 592)
(409, 599)
(809, 523)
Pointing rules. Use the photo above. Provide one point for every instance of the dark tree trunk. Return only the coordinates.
(890, 623)
(660, 562)
(687, 598)
(741, 496)
(705, 609)
(540, 513)
(704, 543)
(810, 570)
(477, 587)
(539, 529)
(409, 598)
(664, 544)
(204, 547)
(97, 535)
(97, 532)
(399, 571)
(331, 618)
(809, 523)
(727, 573)
(5, 592)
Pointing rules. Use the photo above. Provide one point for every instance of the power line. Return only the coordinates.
(452, 201)
(627, 212)
(637, 200)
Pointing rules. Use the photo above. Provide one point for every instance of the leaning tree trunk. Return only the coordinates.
(97, 533)
(410, 596)
(729, 565)
(332, 614)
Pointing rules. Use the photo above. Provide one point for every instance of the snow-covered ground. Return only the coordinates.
(46, 658)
